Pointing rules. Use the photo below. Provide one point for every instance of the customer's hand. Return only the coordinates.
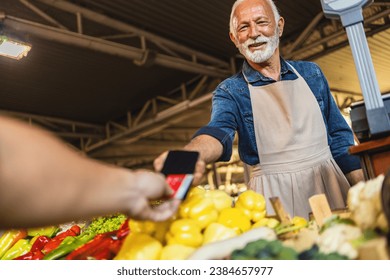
(147, 186)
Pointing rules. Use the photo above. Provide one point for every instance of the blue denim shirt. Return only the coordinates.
(232, 112)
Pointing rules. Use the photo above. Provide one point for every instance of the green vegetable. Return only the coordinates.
(314, 254)
(368, 234)
(106, 223)
(69, 244)
(9, 238)
(49, 231)
(335, 220)
(21, 247)
(265, 250)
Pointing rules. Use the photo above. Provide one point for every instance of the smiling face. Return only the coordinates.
(255, 31)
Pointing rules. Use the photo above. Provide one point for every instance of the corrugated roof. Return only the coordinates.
(339, 66)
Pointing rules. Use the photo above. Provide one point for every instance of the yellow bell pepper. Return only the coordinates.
(161, 230)
(234, 218)
(9, 238)
(266, 222)
(253, 205)
(299, 221)
(147, 227)
(195, 191)
(272, 223)
(185, 232)
(139, 246)
(216, 232)
(22, 246)
(220, 199)
(262, 223)
(200, 209)
(176, 252)
(155, 229)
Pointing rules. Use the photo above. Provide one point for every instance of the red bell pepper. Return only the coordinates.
(104, 246)
(107, 251)
(56, 241)
(102, 251)
(124, 230)
(85, 251)
(104, 254)
(37, 255)
(115, 246)
(35, 252)
(68, 245)
(40, 243)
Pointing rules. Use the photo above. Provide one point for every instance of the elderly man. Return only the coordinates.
(290, 129)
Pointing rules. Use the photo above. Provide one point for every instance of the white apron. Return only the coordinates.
(295, 159)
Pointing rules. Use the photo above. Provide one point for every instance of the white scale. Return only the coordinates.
(351, 15)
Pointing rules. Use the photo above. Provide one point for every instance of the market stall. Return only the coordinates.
(210, 224)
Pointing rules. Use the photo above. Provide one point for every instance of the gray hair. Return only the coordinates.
(233, 19)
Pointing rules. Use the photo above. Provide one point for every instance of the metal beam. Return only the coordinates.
(134, 162)
(112, 48)
(343, 44)
(149, 142)
(160, 127)
(77, 135)
(62, 128)
(299, 51)
(127, 28)
(148, 127)
(157, 118)
(306, 33)
(53, 120)
(42, 14)
(180, 130)
(346, 92)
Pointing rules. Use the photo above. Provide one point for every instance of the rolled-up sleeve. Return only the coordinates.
(222, 125)
(222, 137)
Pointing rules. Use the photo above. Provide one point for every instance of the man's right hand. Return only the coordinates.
(200, 167)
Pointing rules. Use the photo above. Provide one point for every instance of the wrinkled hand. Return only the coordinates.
(148, 185)
(200, 167)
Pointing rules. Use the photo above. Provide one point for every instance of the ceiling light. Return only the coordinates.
(12, 48)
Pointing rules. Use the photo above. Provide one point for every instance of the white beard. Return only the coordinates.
(260, 56)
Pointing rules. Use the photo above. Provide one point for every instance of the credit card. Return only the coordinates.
(179, 167)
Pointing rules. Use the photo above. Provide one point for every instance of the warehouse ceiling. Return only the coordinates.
(124, 80)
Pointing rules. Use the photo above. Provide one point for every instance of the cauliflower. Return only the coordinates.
(364, 202)
(337, 238)
(303, 240)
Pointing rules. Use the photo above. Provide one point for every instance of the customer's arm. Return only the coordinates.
(43, 181)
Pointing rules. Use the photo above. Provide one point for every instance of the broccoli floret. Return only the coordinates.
(314, 254)
(105, 224)
(265, 250)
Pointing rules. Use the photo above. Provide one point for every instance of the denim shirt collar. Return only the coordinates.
(254, 76)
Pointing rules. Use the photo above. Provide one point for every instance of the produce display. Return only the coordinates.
(101, 239)
(210, 224)
(204, 217)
